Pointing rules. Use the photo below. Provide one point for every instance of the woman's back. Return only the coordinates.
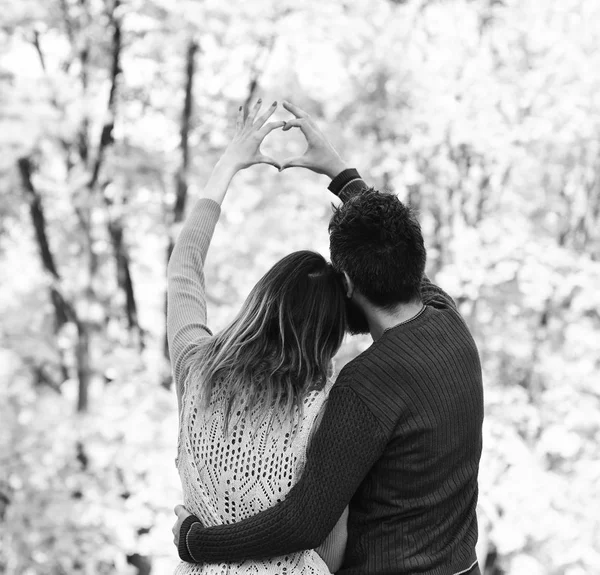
(227, 478)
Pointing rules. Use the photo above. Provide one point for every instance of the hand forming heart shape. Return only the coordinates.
(320, 156)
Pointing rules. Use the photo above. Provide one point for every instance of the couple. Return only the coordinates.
(285, 472)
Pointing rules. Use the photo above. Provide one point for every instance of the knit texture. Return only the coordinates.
(227, 477)
(182, 547)
(186, 292)
(400, 441)
(342, 180)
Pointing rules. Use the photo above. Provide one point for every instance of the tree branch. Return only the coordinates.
(106, 136)
(116, 231)
(181, 178)
(37, 215)
(38, 48)
(64, 8)
(258, 67)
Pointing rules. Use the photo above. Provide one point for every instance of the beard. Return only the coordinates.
(357, 320)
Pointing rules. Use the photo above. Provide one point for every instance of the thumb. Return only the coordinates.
(296, 162)
(179, 509)
(262, 159)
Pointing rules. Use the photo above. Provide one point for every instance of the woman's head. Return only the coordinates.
(283, 339)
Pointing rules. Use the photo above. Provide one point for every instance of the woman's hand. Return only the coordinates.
(244, 149)
(182, 514)
(242, 152)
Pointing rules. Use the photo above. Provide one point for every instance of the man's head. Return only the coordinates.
(377, 241)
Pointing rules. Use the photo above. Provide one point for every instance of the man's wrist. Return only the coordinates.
(335, 168)
(182, 547)
(342, 179)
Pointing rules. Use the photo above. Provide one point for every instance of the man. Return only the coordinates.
(400, 440)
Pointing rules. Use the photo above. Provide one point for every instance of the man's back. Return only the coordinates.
(415, 509)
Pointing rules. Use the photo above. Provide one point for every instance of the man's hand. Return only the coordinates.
(320, 156)
(181, 513)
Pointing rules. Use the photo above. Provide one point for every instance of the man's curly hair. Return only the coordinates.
(377, 241)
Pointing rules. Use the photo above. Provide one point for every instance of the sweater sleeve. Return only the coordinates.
(186, 297)
(344, 448)
(347, 184)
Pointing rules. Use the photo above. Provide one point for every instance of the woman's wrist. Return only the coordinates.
(227, 166)
(219, 180)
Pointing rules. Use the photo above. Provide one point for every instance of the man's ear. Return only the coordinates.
(348, 285)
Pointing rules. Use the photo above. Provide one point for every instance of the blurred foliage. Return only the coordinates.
(483, 115)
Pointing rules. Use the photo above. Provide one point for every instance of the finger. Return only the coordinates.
(298, 123)
(239, 122)
(179, 509)
(298, 112)
(252, 113)
(262, 159)
(303, 123)
(311, 134)
(262, 119)
(296, 162)
(268, 128)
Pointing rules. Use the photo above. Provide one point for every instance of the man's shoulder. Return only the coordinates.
(366, 377)
(352, 372)
(367, 365)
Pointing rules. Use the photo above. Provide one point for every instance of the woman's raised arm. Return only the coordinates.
(186, 295)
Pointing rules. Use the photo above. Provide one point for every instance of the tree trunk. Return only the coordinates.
(64, 310)
(116, 228)
(142, 563)
(84, 372)
(181, 178)
(124, 278)
(106, 136)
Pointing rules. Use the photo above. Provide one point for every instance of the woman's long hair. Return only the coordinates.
(281, 343)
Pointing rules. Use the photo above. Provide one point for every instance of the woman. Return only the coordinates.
(249, 396)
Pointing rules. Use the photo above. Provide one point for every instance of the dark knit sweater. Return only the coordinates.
(400, 442)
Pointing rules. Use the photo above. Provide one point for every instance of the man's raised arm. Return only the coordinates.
(347, 184)
(321, 157)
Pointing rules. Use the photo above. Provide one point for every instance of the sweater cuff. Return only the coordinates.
(182, 548)
(342, 179)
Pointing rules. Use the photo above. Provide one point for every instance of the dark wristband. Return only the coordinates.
(182, 548)
(338, 183)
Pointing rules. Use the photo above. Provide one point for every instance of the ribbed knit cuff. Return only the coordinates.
(182, 548)
(339, 182)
